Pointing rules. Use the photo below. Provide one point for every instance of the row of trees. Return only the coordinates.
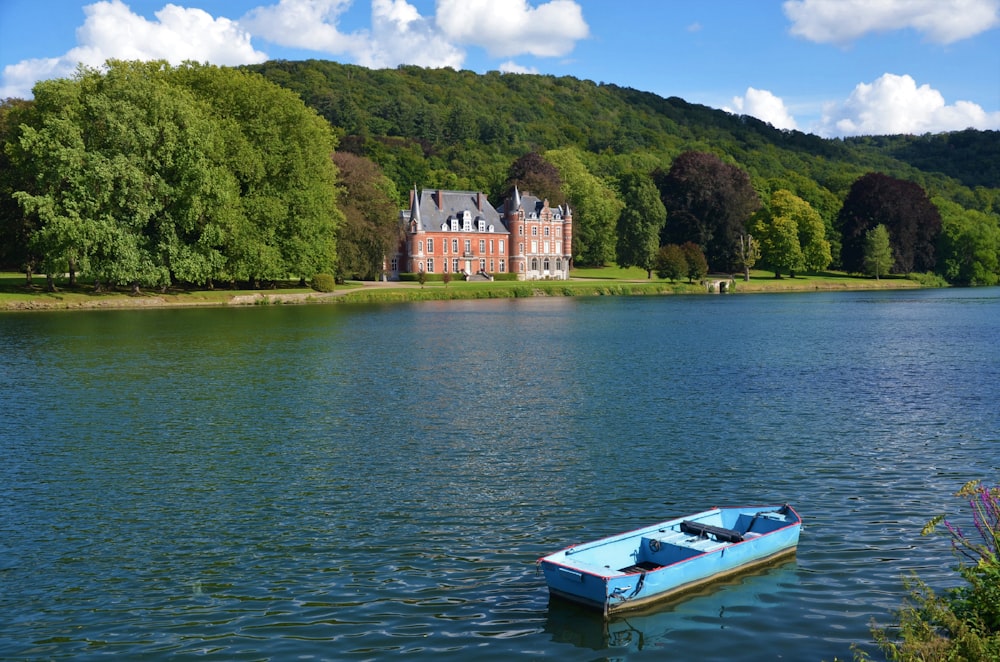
(143, 174)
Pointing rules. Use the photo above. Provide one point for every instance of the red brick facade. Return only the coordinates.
(459, 232)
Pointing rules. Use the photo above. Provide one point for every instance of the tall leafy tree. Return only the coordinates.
(533, 173)
(708, 202)
(639, 223)
(370, 230)
(146, 174)
(791, 235)
(969, 249)
(877, 251)
(913, 222)
(595, 207)
(280, 154)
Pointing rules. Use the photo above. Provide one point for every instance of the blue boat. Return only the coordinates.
(633, 569)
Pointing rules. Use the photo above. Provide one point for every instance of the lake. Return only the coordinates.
(365, 482)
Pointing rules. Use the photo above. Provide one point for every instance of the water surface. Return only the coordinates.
(362, 482)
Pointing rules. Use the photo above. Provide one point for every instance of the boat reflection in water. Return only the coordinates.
(681, 622)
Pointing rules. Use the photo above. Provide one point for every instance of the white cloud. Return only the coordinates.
(765, 106)
(512, 27)
(894, 104)
(511, 67)
(842, 21)
(111, 30)
(401, 35)
(310, 24)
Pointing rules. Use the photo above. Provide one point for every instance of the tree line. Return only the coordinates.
(147, 175)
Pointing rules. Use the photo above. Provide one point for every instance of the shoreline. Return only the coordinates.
(397, 292)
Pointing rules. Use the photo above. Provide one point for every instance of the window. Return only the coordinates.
(493, 266)
(420, 247)
(466, 221)
(482, 264)
(430, 248)
(534, 247)
(454, 265)
(558, 264)
(534, 264)
(482, 225)
(545, 247)
(482, 246)
(558, 231)
(430, 265)
(468, 247)
(491, 247)
(444, 246)
(558, 248)
(454, 225)
(545, 265)
(454, 246)
(520, 248)
(520, 230)
(534, 230)
(546, 231)
(503, 266)
(395, 264)
(501, 245)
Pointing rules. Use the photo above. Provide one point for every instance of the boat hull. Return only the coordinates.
(634, 569)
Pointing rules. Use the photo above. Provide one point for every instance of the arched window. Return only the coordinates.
(545, 264)
(534, 264)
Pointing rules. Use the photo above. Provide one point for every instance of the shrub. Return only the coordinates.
(964, 624)
(323, 283)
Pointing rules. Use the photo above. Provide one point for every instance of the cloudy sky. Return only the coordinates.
(830, 67)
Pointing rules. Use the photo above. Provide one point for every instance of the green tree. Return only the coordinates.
(791, 234)
(370, 230)
(877, 251)
(639, 223)
(969, 249)
(671, 263)
(697, 265)
(595, 207)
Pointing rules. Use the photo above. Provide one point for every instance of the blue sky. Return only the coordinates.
(830, 67)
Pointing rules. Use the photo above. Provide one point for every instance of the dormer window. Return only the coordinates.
(482, 225)
(454, 225)
(466, 221)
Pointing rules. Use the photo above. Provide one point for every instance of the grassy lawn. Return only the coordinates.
(611, 280)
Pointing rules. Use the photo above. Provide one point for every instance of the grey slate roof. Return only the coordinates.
(432, 208)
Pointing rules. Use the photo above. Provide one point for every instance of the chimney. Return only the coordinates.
(479, 200)
(440, 200)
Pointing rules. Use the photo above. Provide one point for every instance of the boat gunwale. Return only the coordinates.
(655, 527)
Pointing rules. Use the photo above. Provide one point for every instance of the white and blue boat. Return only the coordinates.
(633, 569)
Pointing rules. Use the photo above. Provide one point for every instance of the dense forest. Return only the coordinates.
(744, 193)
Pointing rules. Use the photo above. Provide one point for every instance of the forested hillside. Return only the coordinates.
(440, 127)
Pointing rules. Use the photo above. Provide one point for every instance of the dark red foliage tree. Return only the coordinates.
(708, 202)
(903, 207)
(533, 174)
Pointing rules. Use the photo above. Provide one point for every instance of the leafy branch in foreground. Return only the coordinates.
(963, 624)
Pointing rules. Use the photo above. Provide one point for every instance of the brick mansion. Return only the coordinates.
(460, 233)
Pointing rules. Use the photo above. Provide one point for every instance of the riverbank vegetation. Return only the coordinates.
(963, 623)
(156, 178)
(15, 294)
